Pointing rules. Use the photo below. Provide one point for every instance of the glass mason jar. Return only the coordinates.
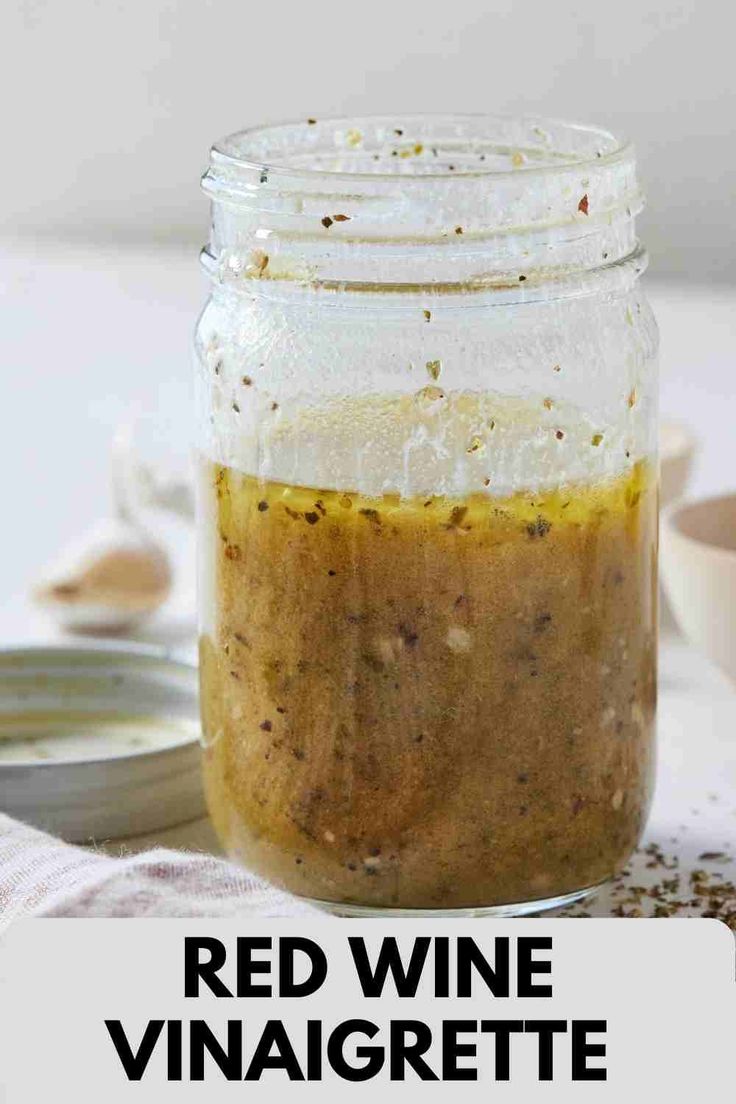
(428, 511)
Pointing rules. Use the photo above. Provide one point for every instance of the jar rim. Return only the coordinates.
(248, 149)
(515, 199)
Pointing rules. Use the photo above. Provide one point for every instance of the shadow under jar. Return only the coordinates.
(427, 511)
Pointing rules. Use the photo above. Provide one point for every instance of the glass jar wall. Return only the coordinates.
(427, 511)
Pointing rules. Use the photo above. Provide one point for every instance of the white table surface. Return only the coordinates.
(93, 337)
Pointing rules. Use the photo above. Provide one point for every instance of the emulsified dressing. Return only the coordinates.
(430, 701)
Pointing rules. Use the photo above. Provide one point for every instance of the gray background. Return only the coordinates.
(109, 106)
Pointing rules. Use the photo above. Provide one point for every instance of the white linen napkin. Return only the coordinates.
(42, 876)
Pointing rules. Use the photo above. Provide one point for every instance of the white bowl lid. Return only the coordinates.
(98, 741)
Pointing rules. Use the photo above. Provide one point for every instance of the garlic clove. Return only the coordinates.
(113, 577)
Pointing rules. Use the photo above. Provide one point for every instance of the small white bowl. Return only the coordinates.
(698, 561)
(99, 742)
(677, 448)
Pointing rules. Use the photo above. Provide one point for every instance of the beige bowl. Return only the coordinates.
(677, 448)
(698, 561)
